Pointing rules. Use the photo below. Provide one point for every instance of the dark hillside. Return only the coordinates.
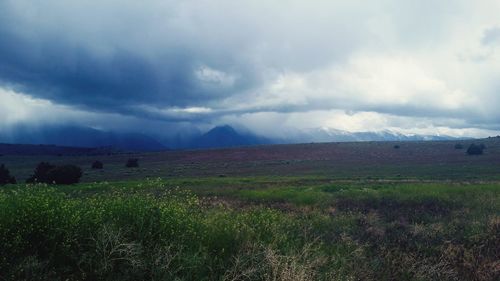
(74, 136)
(30, 149)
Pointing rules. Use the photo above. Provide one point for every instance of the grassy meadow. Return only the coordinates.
(251, 228)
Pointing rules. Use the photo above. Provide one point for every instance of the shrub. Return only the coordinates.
(97, 165)
(459, 146)
(475, 149)
(47, 173)
(132, 163)
(5, 177)
(396, 146)
(67, 174)
(40, 173)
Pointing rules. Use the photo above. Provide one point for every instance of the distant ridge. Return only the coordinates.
(73, 136)
(31, 149)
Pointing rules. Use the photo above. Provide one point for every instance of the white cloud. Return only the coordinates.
(21, 109)
(281, 124)
(210, 75)
(16, 108)
(174, 113)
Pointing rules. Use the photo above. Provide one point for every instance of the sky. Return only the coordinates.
(415, 67)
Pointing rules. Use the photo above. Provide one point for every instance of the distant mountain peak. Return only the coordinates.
(222, 129)
(226, 136)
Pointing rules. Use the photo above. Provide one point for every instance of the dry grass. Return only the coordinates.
(260, 262)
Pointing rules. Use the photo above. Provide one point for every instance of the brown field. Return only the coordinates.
(437, 160)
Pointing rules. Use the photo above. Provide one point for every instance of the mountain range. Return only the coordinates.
(333, 135)
(220, 136)
(75, 136)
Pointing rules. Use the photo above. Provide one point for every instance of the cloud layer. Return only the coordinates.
(414, 65)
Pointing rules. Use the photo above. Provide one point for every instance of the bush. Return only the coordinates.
(40, 173)
(47, 173)
(459, 146)
(5, 177)
(396, 146)
(475, 149)
(132, 163)
(67, 174)
(97, 165)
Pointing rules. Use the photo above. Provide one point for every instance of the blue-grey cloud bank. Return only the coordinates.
(408, 66)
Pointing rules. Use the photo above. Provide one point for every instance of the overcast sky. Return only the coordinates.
(427, 67)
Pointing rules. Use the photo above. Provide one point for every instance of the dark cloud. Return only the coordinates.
(113, 55)
(53, 70)
(102, 68)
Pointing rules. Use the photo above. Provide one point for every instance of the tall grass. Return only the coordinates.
(149, 231)
(46, 235)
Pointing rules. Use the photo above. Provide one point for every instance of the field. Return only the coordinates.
(351, 211)
(437, 160)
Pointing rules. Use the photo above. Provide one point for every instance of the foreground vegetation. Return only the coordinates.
(250, 229)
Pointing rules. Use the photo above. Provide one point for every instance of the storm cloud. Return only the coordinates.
(411, 65)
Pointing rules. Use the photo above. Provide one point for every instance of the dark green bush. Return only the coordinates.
(66, 174)
(40, 173)
(97, 165)
(5, 177)
(47, 173)
(132, 163)
(475, 149)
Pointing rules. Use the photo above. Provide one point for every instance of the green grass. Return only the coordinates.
(298, 196)
(250, 228)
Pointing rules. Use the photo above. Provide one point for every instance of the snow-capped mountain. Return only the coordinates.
(333, 135)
